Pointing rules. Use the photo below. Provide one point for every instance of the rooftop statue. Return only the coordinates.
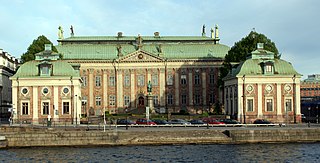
(216, 31)
(60, 33)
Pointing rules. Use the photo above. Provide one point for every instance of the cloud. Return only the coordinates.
(290, 24)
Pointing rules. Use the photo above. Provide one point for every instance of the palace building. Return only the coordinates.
(115, 70)
(263, 87)
(46, 88)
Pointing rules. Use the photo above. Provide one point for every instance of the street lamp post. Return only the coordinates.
(126, 119)
(309, 108)
(294, 99)
(317, 113)
(76, 110)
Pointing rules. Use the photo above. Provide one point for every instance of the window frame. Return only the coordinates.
(267, 104)
(64, 107)
(45, 109)
(98, 81)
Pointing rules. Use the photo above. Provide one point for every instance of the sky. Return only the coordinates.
(294, 25)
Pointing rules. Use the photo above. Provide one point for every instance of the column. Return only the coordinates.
(260, 101)
(91, 81)
(190, 82)
(204, 88)
(132, 90)
(105, 88)
(162, 86)
(56, 103)
(176, 88)
(35, 105)
(14, 100)
(119, 97)
(279, 100)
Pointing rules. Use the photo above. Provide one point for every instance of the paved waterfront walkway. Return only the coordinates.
(83, 127)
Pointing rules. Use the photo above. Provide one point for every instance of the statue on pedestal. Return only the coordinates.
(149, 87)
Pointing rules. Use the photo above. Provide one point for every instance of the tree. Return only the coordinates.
(242, 48)
(36, 47)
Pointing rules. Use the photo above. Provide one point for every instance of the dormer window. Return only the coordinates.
(268, 68)
(45, 69)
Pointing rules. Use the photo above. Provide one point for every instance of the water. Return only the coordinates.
(304, 152)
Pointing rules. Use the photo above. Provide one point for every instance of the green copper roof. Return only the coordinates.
(172, 47)
(256, 64)
(253, 67)
(132, 38)
(59, 69)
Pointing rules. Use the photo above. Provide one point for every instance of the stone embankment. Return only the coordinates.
(22, 137)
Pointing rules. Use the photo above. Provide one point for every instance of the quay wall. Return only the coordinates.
(45, 137)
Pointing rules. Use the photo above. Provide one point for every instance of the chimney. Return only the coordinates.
(119, 34)
(156, 34)
(47, 47)
(260, 46)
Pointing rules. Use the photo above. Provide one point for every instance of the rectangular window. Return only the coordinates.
(126, 100)
(155, 100)
(269, 104)
(66, 107)
(211, 79)
(288, 105)
(211, 99)
(112, 81)
(45, 108)
(183, 99)
(154, 79)
(84, 81)
(169, 80)
(183, 79)
(197, 99)
(249, 104)
(25, 108)
(98, 81)
(141, 80)
(45, 70)
(197, 79)
(269, 68)
(98, 101)
(112, 100)
(170, 99)
(127, 80)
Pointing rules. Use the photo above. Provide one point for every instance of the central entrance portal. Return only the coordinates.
(141, 102)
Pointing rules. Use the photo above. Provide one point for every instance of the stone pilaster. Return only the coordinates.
(190, 79)
(176, 88)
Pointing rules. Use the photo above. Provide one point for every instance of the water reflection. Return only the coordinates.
(177, 153)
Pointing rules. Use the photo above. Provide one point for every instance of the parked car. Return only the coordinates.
(179, 121)
(143, 121)
(229, 121)
(215, 122)
(160, 122)
(212, 121)
(125, 122)
(197, 122)
(261, 121)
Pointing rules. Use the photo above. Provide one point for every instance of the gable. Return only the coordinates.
(140, 56)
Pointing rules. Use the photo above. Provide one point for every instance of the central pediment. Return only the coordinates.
(141, 56)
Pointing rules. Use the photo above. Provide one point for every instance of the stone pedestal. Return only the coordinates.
(150, 103)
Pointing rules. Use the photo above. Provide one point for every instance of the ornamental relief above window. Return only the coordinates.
(268, 89)
(45, 91)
